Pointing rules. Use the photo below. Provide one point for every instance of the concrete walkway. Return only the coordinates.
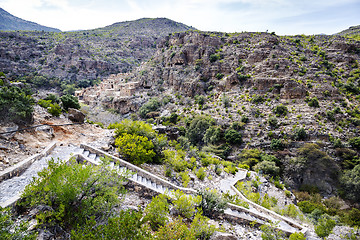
(225, 184)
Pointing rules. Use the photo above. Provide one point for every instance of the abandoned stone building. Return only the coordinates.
(115, 86)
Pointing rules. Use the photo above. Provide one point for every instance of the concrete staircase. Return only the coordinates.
(10, 189)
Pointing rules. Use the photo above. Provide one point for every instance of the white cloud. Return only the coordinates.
(216, 15)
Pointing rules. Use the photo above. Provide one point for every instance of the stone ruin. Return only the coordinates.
(114, 87)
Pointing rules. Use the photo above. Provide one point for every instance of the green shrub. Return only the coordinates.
(350, 182)
(69, 101)
(201, 228)
(185, 178)
(213, 135)
(214, 57)
(174, 230)
(324, 227)
(200, 99)
(11, 230)
(270, 233)
(151, 106)
(176, 160)
(136, 149)
(276, 144)
(53, 98)
(313, 102)
(54, 109)
(273, 122)
(124, 225)
(197, 129)
(16, 105)
(201, 173)
(351, 217)
(232, 169)
(309, 207)
(280, 110)
(250, 157)
(287, 193)
(44, 103)
(219, 76)
(244, 119)
(157, 211)
(355, 142)
(233, 137)
(185, 204)
(300, 134)
(257, 99)
(297, 236)
(211, 203)
(267, 167)
(74, 193)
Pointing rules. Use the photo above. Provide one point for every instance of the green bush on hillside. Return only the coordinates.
(136, 149)
(74, 193)
(69, 101)
(150, 106)
(16, 105)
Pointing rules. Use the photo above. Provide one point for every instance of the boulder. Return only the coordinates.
(223, 236)
(76, 115)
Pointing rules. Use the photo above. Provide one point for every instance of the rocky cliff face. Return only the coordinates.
(315, 78)
(196, 62)
(84, 54)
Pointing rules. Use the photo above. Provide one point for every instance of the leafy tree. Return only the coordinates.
(137, 149)
(69, 101)
(74, 193)
(16, 104)
(141, 128)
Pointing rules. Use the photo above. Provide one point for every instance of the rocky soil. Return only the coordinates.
(20, 145)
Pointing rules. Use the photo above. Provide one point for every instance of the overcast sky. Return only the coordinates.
(284, 17)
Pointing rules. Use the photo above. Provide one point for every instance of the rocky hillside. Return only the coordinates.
(354, 30)
(9, 22)
(290, 90)
(83, 55)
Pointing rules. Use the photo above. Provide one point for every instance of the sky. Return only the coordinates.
(284, 17)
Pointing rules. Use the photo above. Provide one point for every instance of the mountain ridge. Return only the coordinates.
(9, 22)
